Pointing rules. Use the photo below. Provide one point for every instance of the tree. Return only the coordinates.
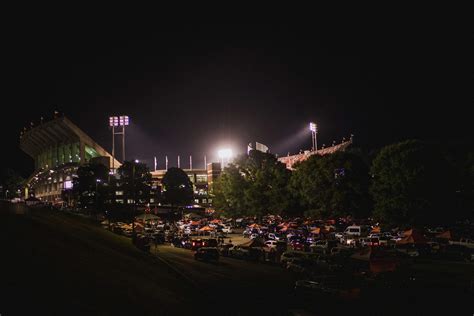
(178, 189)
(11, 183)
(89, 186)
(332, 186)
(412, 184)
(254, 184)
(134, 179)
(228, 192)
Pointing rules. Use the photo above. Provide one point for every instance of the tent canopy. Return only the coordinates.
(254, 225)
(206, 229)
(413, 236)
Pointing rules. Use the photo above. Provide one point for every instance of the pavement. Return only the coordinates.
(237, 285)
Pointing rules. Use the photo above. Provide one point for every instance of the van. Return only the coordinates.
(357, 231)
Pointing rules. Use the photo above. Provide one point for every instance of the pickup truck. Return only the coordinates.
(463, 242)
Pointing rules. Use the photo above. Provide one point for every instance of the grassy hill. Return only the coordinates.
(59, 264)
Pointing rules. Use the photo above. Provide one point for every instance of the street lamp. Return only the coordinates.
(97, 181)
(224, 155)
(314, 131)
(116, 121)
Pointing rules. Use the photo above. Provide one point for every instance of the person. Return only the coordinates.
(230, 241)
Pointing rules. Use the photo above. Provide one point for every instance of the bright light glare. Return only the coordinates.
(224, 153)
(119, 121)
(137, 161)
(312, 127)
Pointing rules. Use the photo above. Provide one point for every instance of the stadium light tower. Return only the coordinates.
(224, 155)
(314, 131)
(116, 122)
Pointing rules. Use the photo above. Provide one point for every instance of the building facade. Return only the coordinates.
(58, 147)
(202, 180)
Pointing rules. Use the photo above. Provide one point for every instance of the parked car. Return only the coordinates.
(357, 230)
(298, 245)
(211, 242)
(275, 236)
(227, 229)
(254, 235)
(196, 244)
(386, 241)
(207, 254)
(463, 242)
(271, 244)
(369, 242)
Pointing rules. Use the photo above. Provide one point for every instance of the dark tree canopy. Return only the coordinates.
(134, 180)
(89, 185)
(412, 185)
(332, 186)
(178, 189)
(254, 184)
(11, 182)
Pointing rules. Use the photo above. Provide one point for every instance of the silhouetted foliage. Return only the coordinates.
(178, 189)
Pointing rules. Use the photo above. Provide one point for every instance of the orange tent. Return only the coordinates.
(376, 230)
(206, 229)
(317, 230)
(215, 221)
(194, 223)
(254, 225)
(412, 236)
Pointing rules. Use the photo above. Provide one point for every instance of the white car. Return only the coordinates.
(253, 236)
(227, 230)
(271, 244)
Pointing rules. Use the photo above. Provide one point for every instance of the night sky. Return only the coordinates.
(190, 89)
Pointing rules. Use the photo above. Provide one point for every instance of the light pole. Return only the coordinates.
(134, 196)
(116, 121)
(97, 181)
(314, 131)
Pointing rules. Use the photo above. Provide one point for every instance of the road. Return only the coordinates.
(241, 286)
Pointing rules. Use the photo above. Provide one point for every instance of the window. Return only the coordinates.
(68, 184)
(120, 201)
(201, 178)
(209, 200)
(118, 192)
(152, 200)
(130, 201)
(196, 200)
(204, 200)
